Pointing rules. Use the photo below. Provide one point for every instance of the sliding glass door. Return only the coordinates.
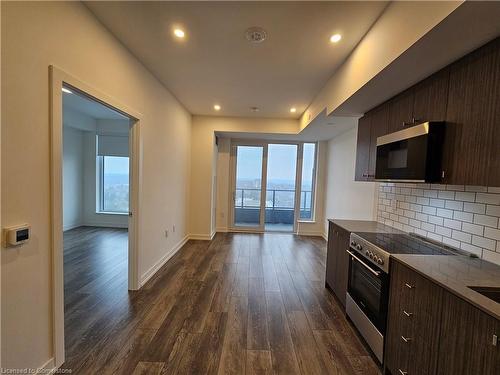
(272, 185)
(248, 192)
(280, 187)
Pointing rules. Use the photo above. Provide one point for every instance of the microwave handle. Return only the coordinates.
(376, 273)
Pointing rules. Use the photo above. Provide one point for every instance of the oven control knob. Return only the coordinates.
(380, 261)
(353, 243)
(370, 254)
(359, 247)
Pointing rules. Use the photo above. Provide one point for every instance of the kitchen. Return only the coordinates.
(418, 283)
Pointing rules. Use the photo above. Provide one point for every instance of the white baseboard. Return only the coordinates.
(222, 230)
(71, 226)
(311, 233)
(150, 273)
(48, 367)
(202, 237)
(104, 225)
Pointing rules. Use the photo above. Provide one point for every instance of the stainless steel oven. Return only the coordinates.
(411, 155)
(367, 300)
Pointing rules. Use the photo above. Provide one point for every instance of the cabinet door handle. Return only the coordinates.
(401, 372)
(494, 340)
(406, 339)
(409, 286)
(408, 314)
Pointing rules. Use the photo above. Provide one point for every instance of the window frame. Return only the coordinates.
(100, 188)
(314, 177)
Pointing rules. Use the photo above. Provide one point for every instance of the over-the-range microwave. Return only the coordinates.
(411, 155)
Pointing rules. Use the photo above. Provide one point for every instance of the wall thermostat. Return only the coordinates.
(17, 235)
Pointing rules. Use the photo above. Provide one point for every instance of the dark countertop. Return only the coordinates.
(455, 273)
(364, 226)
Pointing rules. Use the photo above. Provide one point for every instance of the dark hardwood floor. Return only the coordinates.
(239, 304)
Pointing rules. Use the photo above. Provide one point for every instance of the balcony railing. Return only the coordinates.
(247, 205)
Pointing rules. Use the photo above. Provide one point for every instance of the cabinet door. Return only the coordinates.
(494, 165)
(400, 112)
(378, 128)
(471, 116)
(331, 257)
(363, 148)
(342, 273)
(431, 97)
(466, 339)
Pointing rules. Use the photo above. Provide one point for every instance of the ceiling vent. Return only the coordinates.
(256, 34)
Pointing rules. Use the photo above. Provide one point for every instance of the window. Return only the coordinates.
(112, 174)
(114, 190)
(308, 181)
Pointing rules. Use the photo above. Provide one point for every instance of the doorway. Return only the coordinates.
(272, 185)
(116, 239)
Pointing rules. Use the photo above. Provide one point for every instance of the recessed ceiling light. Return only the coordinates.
(67, 91)
(293, 109)
(179, 33)
(335, 38)
(217, 107)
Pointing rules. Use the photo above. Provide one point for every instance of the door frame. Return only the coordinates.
(232, 181)
(58, 78)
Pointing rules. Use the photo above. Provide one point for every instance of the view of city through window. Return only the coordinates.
(115, 184)
(280, 186)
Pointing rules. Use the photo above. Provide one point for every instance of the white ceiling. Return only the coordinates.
(89, 107)
(216, 64)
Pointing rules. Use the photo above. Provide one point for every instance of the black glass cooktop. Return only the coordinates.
(400, 243)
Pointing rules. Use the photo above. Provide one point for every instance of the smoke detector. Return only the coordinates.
(254, 109)
(256, 34)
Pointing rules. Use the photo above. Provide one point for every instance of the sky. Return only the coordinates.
(281, 162)
(116, 165)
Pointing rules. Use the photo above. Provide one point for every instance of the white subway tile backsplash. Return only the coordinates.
(428, 227)
(473, 228)
(492, 210)
(492, 233)
(443, 231)
(463, 216)
(454, 224)
(485, 243)
(436, 220)
(444, 213)
(466, 217)
(446, 194)
(466, 197)
(461, 236)
(454, 205)
(488, 198)
(477, 208)
(483, 189)
(486, 220)
(437, 203)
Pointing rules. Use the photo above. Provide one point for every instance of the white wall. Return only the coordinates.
(346, 198)
(35, 35)
(398, 28)
(72, 178)
(204, 157)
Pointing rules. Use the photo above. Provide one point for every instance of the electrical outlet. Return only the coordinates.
(166, 232)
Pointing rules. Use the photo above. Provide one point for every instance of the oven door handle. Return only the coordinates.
(376, 273)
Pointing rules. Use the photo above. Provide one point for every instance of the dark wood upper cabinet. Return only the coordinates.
(363, 148)
(430, 97)
(378, 128)
(400, 111)
(466, 95)
(471, 118)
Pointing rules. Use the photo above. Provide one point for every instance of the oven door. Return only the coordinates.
(369, 288)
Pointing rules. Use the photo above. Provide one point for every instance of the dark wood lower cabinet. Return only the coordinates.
(432, 331)
(466, 345)
(337, 260)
